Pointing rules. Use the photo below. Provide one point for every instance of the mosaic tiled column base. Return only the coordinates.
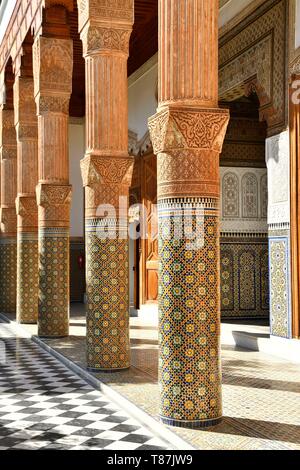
(107, 298)
(189, 314)
(27, 278)
(8, 275)
(280, 284)
(53, 312)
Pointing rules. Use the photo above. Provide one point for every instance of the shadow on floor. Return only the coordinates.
(269, 430)
(255, 382)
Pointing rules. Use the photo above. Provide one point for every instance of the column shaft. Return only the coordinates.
(106, 171)
(27, 212)
(187, 135)
(53, 65)
(8, 247)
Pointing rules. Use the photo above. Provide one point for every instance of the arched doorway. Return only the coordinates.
(244, 203)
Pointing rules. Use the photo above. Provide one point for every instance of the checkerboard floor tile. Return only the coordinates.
(43, 405)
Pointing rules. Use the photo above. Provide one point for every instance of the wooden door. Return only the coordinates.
(149, 258)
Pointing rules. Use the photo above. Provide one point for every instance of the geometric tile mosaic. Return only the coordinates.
(27, 278)
(244, 279)
(8, 277)
(108, 300)
(280, 286)
(53, 314)
(189, 315)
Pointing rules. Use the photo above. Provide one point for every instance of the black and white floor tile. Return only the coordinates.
(43, 405)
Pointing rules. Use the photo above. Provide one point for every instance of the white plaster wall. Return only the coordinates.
(277, 159)
(141, 97)
(231, 9)
(76, 149)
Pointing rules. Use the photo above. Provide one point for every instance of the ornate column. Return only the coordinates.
(27, 212)
(53, 65)
(187, 135)
(106, 169)
(8, 246)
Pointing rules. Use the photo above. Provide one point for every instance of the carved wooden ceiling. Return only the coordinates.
(77, 104)
(144, 39)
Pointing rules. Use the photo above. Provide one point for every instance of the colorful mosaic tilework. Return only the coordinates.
(8, 277)
(53, 314)
(244, 279)
(280, 287)
(107, 299)
(189, 315)
(27, 278)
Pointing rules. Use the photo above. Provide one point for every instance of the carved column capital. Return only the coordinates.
(26, 205)
(8, 221)
(189, 142)
(8, 132)
(54, 204)
(102, 39)
(52, 69)
(25, 109)
(105, 180)
(99, 169)
(53, 195)
(105, 26)
(177, 128)
(121, 11)
(27, 212)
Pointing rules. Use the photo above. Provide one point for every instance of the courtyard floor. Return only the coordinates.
(261, 393)
(44, 405)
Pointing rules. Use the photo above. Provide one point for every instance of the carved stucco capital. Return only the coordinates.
(188, 142)
(8, 131)
(105, 26)
(24, 103)
(106, 179)
(26, 205)
(53, 103)
(53, 195)
(97, 39)
(117, 11)
(54, 203)
(188, 128)
(52, 70)
(27, 211)
(8, 219)
(100, 170)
